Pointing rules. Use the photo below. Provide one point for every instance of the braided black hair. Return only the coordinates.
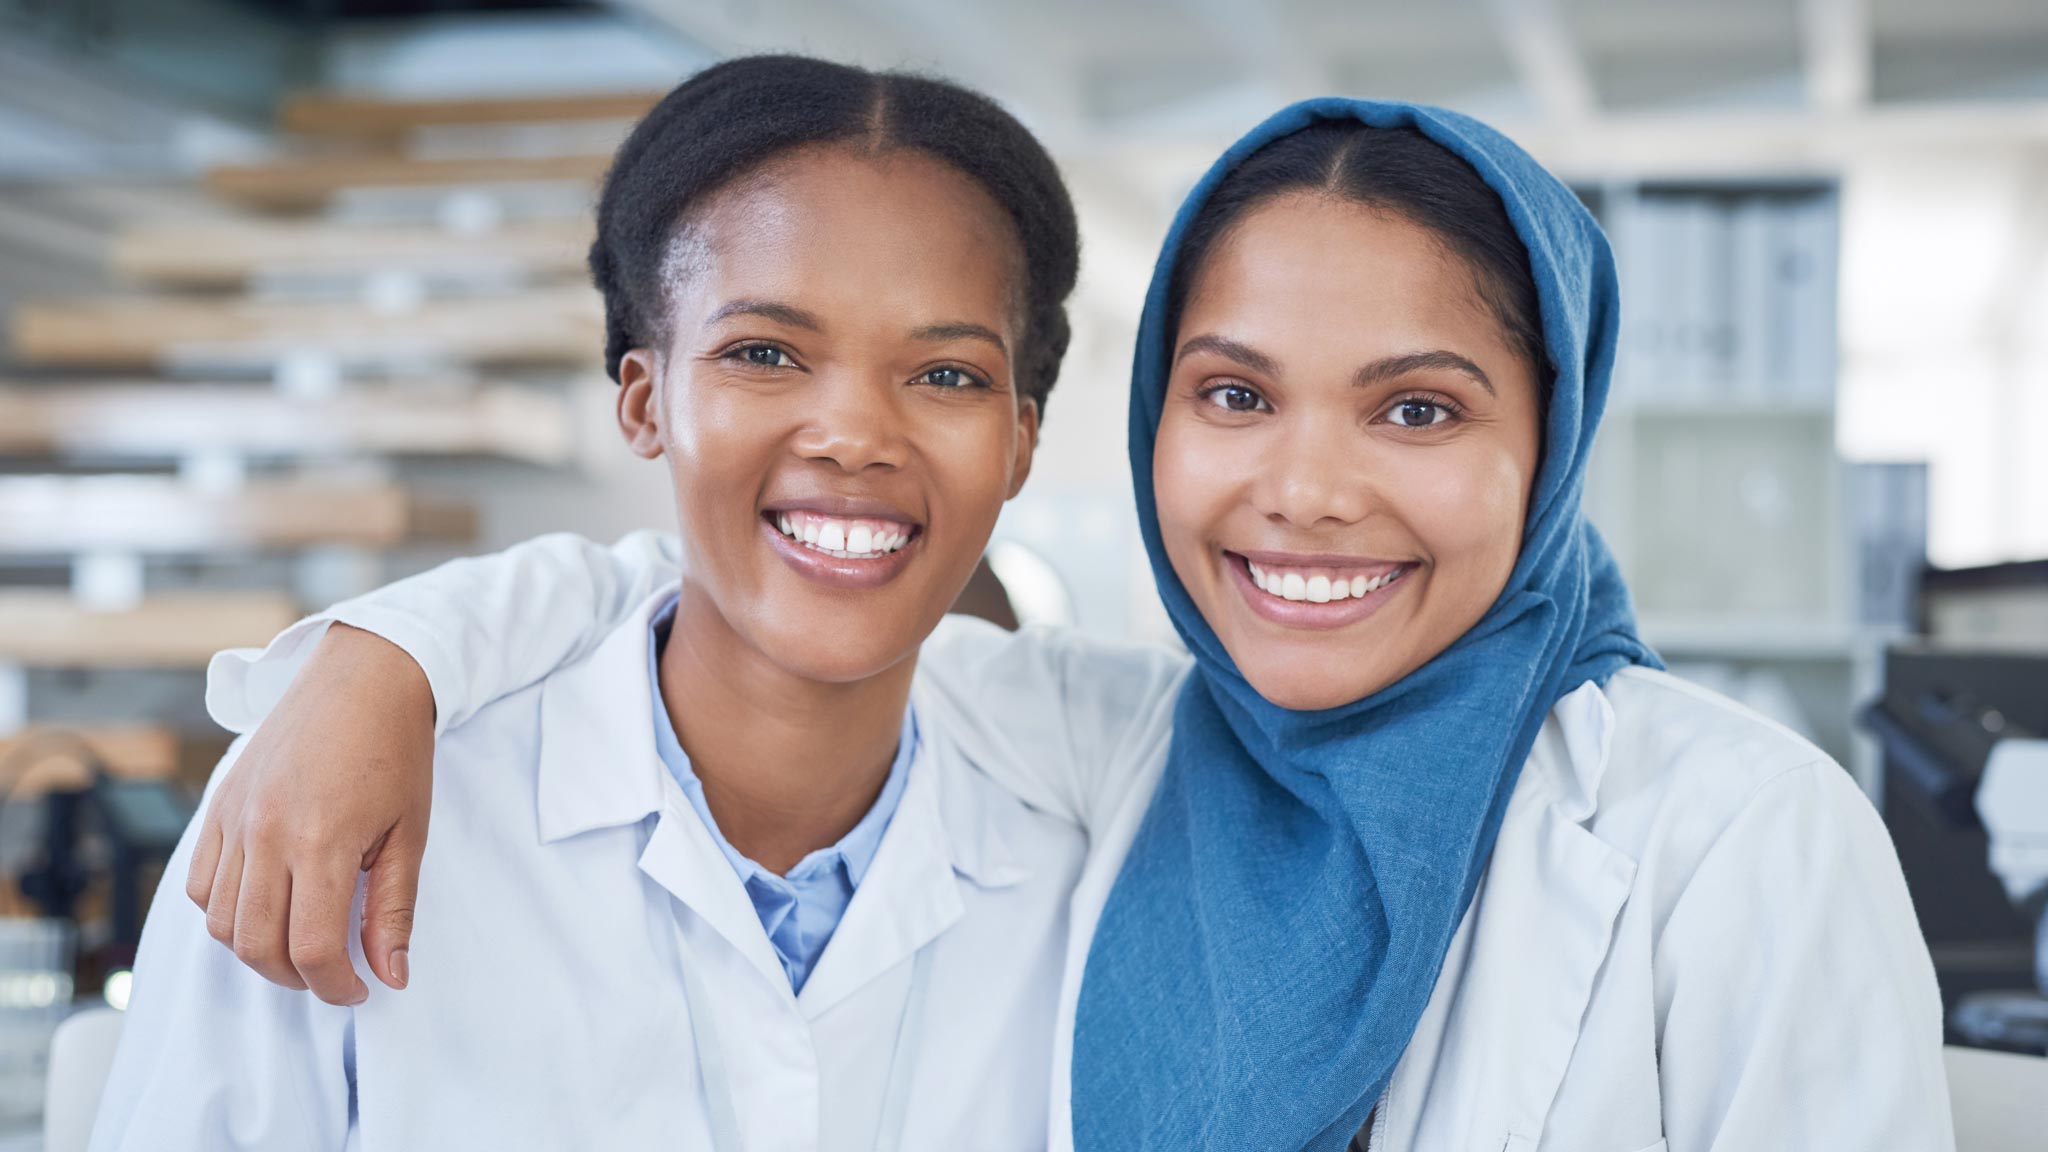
(1397, 170)
(730, 118)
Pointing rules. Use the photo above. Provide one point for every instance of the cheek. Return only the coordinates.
(971, 459)
(1466, 505)
(702, 423)
(1193, 467)
(717, 442)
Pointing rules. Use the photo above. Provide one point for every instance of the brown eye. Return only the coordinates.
(762, 356)
(949, 377)
(1419, 413)
(1236, 398)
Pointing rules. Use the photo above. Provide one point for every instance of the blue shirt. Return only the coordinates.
(801, 909)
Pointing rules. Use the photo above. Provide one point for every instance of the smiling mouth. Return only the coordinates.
(842, 537)
(1321, 584)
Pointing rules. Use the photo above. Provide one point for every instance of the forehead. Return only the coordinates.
(896, 229)
(1307, 261)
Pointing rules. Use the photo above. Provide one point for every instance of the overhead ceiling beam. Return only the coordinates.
(1539, 41)
(1836, 40)
(1700, 144)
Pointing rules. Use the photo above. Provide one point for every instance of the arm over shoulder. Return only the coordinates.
(1066, 721)
(1798, 1005)
(480, 628)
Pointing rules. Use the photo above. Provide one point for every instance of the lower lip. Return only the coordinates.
(1306, 613)
(835, 572)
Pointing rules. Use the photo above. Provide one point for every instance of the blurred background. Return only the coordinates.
(292, 304)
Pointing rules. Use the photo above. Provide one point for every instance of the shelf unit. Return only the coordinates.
(1716, 480)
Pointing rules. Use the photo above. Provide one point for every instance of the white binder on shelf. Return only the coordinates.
(1631, 228)
(1817, 324)
(1753, 372)
(1717, 274)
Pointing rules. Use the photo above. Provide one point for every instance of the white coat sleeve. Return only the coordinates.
(213, 1057)
(480, 628)
(1067, 721)
(1801, 1009)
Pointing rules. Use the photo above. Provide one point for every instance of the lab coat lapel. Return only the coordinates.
(682, 857)
(599, 769)
(598, 766)
(1491, 1050)
(908, 897)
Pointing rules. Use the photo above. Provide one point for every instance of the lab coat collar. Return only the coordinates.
(945, 830)
(599, 769)
(598, 764)
(1546, 912)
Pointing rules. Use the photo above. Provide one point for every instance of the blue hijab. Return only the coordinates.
(1279, 924)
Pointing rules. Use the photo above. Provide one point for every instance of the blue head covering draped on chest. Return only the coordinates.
(1278, 926)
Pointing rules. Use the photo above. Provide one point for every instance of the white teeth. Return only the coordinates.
(847, 540)
(1318, 589)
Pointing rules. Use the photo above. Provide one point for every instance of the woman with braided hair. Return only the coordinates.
(834, 304)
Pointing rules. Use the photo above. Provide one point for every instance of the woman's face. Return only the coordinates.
(1346, 452)
(836, 403)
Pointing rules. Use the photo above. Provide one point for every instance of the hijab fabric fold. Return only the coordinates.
(1287, 904)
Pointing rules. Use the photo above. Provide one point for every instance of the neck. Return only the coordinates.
(789, 765)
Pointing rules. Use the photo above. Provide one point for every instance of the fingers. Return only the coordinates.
(205, 862)
(318, 932)
(388, 906)
(220, 903)
(261, 923)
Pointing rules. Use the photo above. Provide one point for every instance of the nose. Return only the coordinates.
(854, 423)
(1318, 476)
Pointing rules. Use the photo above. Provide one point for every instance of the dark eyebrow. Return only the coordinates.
(1229, 349)
(960, 330)
(1394, 367)
(767, 310)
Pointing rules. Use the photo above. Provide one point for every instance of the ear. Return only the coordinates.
(639, 410)
(1026, 446)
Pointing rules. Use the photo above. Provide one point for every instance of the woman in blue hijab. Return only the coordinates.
(1374, 353)
(1419, 849)
(1353, 756)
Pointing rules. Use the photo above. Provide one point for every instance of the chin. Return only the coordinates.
(1309, 683)
(1301, 694)
(820, 659)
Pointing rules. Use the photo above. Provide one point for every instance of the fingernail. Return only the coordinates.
(362, 994)
(400, 971)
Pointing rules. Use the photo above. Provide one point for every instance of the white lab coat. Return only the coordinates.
(1693, 934)
(567, 884)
